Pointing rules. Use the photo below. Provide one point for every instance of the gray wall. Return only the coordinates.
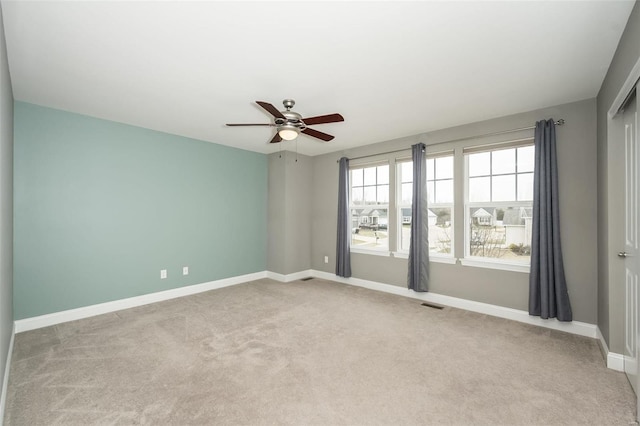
(610, 183)
(577, 174)
(6, 207)
(289, 246)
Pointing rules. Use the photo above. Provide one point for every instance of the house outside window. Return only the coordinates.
(499, 201)
(369, 207)
(440, 204)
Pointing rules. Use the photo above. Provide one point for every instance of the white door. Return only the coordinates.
(631, 246)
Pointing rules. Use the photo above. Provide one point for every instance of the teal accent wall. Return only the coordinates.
(101, 207)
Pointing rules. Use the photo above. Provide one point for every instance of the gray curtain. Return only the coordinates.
(548, 296)
(418, 278)
(343, 246)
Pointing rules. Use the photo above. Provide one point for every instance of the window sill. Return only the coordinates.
(432, 258)
(384, 253)
(504, 266)
(443, 259)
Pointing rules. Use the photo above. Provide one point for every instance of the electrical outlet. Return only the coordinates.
(185, 270)
(163, 274)
(326, 259)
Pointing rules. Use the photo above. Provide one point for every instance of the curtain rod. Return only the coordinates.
(557, 123)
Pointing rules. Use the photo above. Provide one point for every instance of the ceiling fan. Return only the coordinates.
(290, 124)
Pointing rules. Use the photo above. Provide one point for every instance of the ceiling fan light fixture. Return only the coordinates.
(288, 132)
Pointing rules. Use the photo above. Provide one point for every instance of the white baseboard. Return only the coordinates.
(574, 327)
(290, 277)
(131, 302)
(5, 379)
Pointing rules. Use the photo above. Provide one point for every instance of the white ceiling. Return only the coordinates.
(391, 69)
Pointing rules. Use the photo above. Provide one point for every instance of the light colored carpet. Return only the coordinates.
(309, 352)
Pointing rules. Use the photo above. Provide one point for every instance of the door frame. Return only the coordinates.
(613, 136)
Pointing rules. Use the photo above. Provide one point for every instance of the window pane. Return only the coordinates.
(430, 162)
(369, 228)
(440, 230)
(383, 174)
(444, 191)
(504, 188)
(526, 159)
(407, 189)
(406, 171)
(444, 167)
(383, 194)
(405, 231)
(430, 194)
(480, 164)
(503, 233)
(480, 189)
(525, 187)
(503, 161)
(356, 177)
(370, 176)
(356, 196)
(370, 194)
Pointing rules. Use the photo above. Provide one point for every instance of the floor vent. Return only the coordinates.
(306, 279)
(431, 305)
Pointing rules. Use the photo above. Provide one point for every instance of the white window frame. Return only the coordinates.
(378, 251)
(399, 206)
(487, 262)
(435, 257)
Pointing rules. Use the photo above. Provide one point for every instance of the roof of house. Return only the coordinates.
(516, 216)
(407, 212)
(482, 213)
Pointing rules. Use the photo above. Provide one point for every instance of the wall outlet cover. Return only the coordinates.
(163, 274)
(185, 270)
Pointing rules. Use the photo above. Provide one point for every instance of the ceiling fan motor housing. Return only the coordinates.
(291, 118)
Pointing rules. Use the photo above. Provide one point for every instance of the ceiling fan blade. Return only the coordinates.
(322, 119)
(316, 134)
(237, 125)
(271, 109)
(276, 139)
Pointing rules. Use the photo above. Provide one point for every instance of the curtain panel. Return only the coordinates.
(418, 276)
(343, 245)
(548, 296)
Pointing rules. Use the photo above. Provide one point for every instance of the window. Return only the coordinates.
(369, 205)
(499, 204)
(440, 204)
(496, 219)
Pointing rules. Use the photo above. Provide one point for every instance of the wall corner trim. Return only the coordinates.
(614, 361)
(5, 379)
(131, 302)
(290, 277)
